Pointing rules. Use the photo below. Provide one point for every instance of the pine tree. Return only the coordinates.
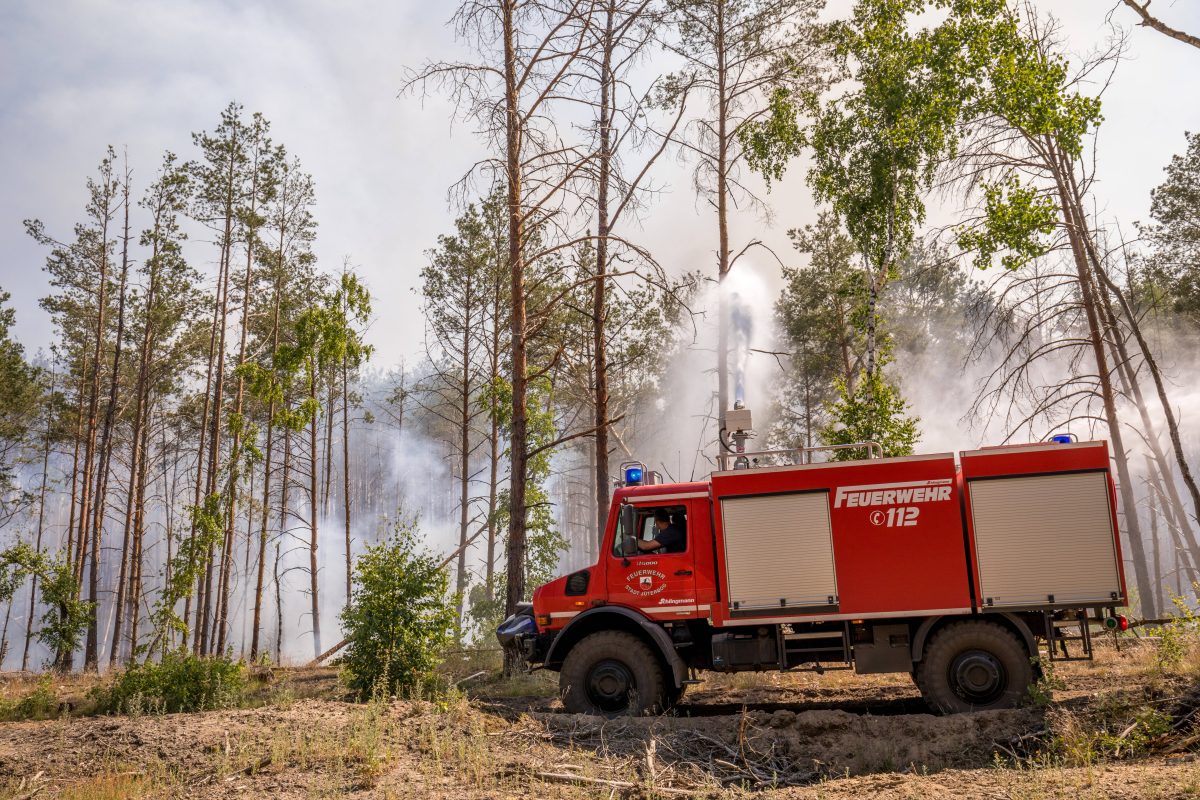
(80, 275)
(455, 287)
(743, 58)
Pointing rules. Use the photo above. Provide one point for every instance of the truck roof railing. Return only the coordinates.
(726, 460)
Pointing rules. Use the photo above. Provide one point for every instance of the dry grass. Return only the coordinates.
(110, 781)
(494, 738)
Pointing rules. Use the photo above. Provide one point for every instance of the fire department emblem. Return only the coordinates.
(645, 582)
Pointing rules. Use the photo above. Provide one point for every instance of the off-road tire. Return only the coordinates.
(612, 674)
(974, 666)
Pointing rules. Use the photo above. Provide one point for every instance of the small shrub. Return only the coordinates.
(1041, 691)
(399, 618)
(180, 682)
(1171, 649)
(1083, 742)
(1176, 637)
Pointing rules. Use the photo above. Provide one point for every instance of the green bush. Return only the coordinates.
(399, 619)
(1176, 637)
(1041, 692)
(180, 682)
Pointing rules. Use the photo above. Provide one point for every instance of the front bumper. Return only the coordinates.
(518, 636)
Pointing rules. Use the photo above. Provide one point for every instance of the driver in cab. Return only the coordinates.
(669, 538)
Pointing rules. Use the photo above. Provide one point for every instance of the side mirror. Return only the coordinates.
(628, 526)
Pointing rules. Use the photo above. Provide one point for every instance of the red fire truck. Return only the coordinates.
(950, 568)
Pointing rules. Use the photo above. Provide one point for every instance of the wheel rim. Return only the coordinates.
(978, 677)
(609, 685)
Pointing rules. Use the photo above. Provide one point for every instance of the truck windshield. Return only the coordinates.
(664, 525)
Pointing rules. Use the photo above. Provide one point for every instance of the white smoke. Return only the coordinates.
(679, 436)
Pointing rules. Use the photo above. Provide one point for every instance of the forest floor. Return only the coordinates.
(1123, 726)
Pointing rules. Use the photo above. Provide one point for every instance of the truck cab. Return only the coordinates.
(950, 567)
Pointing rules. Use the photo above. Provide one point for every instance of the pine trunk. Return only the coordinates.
(266, 496)
(312, 510)
(238, 409)
(214, 444)
(519, 435)
(600, 288)
(464, 462)
(723, 252)
(346, 476)
(41, 524)
(92, 650)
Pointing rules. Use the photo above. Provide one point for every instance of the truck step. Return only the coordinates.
(815, 646)
(1056, 637)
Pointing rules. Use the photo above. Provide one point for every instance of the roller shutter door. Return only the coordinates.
(1044, 535)
(779, 551)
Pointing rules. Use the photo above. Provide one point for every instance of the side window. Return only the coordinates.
(665, 524)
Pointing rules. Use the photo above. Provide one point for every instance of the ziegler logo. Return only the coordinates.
(641, 582)
(887, 494)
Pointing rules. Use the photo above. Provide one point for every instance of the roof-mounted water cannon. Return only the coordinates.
(739, 427)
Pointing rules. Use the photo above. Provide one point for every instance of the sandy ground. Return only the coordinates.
(836, 736)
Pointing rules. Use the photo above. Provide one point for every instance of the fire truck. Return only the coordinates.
(953, 568)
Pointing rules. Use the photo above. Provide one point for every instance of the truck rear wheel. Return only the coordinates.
(974, 666)
(611, 674)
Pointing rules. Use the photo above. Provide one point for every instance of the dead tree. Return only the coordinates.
(529, 50)
(1151, 21)
(999, 147)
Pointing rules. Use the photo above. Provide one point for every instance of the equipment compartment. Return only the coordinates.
(1044, 539)
(779, 551)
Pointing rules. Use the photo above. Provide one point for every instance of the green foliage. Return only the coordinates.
(187, 565)
(67, 616)
(1041, 692)
(873, 411)
(1028, 88)
(20, 399)
(1022, 82)
(1127, 734)
(1176, 637)
(544, 543)
(399, 617)
(752, 71)
(876, 148)
(485, 610)
(180, 682)
(821, 310)
(324, 336)
(771, 142)
(1171, 272)
(1016, 220)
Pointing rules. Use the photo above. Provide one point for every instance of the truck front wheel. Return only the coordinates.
(611, 674)
(974, 666)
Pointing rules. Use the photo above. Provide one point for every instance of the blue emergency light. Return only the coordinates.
(1062, 438)
(633, 476)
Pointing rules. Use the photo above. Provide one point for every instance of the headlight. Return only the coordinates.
(514, 626)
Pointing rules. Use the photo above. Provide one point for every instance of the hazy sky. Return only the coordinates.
(76, 75)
